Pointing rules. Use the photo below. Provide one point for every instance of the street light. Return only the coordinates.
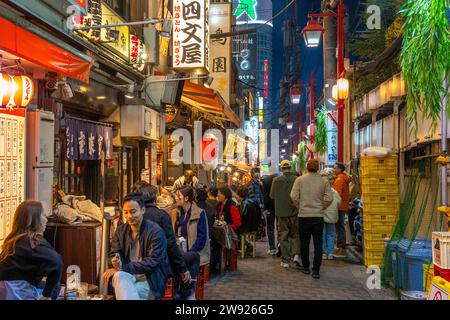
(312, 33)
(295, 95)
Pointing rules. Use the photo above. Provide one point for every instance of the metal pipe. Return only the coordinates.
(444, 128)
(311, 108)
(340, 70)
(150, 21)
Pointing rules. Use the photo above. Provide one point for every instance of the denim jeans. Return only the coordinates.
(329, 235)
(340, 230)
(18, 290)
(192, 260)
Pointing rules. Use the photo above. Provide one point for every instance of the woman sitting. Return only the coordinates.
(192, 225)
(226, 209)
(26, 257)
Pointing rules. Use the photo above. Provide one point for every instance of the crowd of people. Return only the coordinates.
(167, 234)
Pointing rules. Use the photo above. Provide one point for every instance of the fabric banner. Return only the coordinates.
(86, 140)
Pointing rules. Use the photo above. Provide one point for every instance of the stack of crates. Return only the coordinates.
(381, 200)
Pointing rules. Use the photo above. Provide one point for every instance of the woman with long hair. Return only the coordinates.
(227, 209)
(26, 257)
(192, 225)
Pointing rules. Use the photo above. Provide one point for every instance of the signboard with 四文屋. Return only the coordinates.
(220, 51)
(190, 36)
(137, 53)
(331, 155)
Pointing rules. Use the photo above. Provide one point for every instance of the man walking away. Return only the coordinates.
(269, 213)
(342, 186)
(287, 221)
(257, 194)
(312, 195)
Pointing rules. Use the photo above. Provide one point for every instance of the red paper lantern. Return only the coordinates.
(15, 91)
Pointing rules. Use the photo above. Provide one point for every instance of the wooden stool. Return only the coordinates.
(202, 278)
(231, 259)
(250, 236)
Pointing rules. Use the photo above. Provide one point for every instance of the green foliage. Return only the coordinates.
(320, 138)
(425, 57)
(302, 155)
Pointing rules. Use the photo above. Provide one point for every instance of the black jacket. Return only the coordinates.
(250, 216)
(153, 250)
(209, 214)
(34, 264)
(161, 218)
(267, 184)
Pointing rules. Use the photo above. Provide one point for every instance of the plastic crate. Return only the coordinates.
(380, 219)
(390, 212)
(373, 244)
(375, 167)
(367, 180)
(376, 236)
(373, 204)
(380, 189)
(373, 257)
(375, 228)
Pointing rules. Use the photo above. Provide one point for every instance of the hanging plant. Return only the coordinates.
(425, 57)
(320, 138)
(302, 155)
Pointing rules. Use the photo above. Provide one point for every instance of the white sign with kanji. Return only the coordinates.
(190, 34)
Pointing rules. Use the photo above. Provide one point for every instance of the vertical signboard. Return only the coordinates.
(220, 53)
(251, 128)
(266, 79)
(190, 34)
(331, 156)
(12, 166)
(261, 109)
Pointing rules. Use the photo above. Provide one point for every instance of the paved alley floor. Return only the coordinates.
(263, 278)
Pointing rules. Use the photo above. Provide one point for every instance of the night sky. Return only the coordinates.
(311, 58)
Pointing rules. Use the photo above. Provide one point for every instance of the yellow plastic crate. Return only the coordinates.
(374, 166)
(373, 244)
(385, 203)
(379, 180)
(369, 189)
(428, 274)
(391, 212)
(376, 236)
(380, 219)
(375, 228)
(373, 257)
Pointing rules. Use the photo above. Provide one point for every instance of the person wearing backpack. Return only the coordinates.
(286, 213)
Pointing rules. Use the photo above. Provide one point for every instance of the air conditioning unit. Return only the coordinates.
(140, 122)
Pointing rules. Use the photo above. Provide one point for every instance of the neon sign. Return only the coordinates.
(248, 7)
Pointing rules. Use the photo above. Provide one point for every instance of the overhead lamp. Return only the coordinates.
(289, 125)
(312, 33)
(331, 101)
(295, 95)
(283, 150)
(285, 140)
(342, 88)
(101, 97)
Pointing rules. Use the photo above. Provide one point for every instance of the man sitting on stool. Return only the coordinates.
(138, 255)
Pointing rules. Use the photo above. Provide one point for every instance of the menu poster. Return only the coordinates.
(12, 166)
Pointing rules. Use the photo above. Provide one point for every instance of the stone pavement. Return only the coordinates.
(263, 278)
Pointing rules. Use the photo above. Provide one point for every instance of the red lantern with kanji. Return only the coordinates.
(15, 91)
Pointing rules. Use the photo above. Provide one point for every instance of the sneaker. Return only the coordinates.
(340, 253)
(330, 256)
(272, 252)
(305, 270)
(297, 260)
(285, 265)
(324, 256)
(315, 275)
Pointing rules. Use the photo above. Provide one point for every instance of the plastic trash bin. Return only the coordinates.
(419, 254)
(402, 247)
(392, 246)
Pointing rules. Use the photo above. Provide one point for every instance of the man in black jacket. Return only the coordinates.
(269, 213)
(138, 255)
(184, 264)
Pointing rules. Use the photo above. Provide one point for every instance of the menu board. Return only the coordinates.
(12, 166)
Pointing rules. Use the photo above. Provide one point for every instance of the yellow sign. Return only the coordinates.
(261, 115)
(117, 38)
(120, 43)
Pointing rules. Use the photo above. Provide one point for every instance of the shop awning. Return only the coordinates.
(208, 101)
(28, 45)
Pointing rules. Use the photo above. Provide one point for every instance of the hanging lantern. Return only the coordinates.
(312, 33)
(15, 91)
(295, 95)
(342, 88)
(334, 92)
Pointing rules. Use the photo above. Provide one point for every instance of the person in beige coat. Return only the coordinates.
(311, 194)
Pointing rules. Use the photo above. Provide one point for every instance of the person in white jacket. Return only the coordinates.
(331, 216)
